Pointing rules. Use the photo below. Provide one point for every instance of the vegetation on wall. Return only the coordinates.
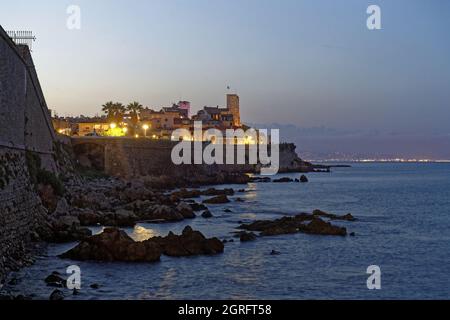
(38, 175)
(6, 173)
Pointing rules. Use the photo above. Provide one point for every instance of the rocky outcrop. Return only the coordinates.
(217, 200)
(189, 243)
(115, 245)
(207, 214)
(283, 180)
(247, 236)
(304, 223)
(347, 217)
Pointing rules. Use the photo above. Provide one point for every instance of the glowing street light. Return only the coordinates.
(145, 127)
(113, 125)
(125, 130)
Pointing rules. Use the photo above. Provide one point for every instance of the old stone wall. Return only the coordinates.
(21, 211)
(25, 128)
(128, 157)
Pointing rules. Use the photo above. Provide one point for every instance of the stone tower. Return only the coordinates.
(233, 108)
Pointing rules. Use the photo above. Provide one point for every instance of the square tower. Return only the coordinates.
(233, 108)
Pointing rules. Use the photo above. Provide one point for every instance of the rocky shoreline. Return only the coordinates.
(114, 203)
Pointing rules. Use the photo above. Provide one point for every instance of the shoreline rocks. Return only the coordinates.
(115, 245)
(217, 200)
(320, 213)
(303, 223)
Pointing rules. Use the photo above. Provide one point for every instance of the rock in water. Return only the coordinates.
(189, 243)
(186, 210)
(207, 214)
(114, 245)
(283, 180)
(304, 223)
(304, 179)
(216, 192)
(247, 236)
(57, 295)
(55, 280)
(217, 200)
(320, 227)
(347, 217)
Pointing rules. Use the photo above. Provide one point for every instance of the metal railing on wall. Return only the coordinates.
(22, 37)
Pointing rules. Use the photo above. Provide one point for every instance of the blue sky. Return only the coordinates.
(308, 63)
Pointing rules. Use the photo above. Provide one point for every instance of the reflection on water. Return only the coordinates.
(141, 234)
(168, 283)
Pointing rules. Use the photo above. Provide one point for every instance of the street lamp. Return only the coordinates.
(145, 127)
(113, 125)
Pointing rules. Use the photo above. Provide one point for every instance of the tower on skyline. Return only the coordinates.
(233, 108)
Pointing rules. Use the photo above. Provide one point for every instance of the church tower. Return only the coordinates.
(233, 108)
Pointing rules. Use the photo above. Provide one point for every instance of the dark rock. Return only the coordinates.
(347, 217)
(57, 295)
(186, 210)
(304, 179)
(216, 192)
(275, 253)
(352, 234)
(187, 194)
(89, 218)
(55, 280)
(320, 227)
(124, 218)
(95, 286)
(247, 236)
(189, 243)
(283, 180)
(217, 200)
(48, 196)
(114, 245)
(162, 213)
(304, 223)
(198, 206)
(207, 214)
(260, 179)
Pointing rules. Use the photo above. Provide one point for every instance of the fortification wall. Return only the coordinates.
(128, 157)
(25, 128)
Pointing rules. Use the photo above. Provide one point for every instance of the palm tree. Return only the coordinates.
(119, 112)
(134, 110)
(109, 109)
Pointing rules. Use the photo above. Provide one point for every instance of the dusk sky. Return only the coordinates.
(307, 63)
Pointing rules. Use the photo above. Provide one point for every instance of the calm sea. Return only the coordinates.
(403, 227)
